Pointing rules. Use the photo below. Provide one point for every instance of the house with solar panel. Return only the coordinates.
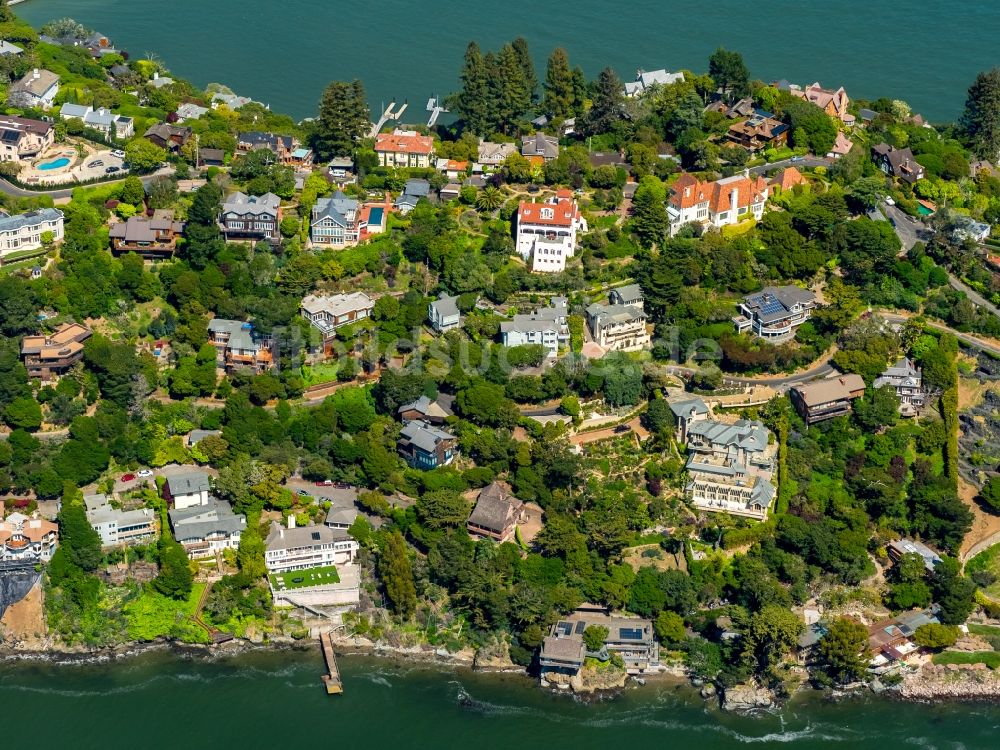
(775, 313)
(730, 467)
(563, 651)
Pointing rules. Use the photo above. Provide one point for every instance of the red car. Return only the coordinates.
(128, 477)
(324, 483)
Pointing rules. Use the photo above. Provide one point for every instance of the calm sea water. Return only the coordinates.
(284, 53)
(276, 700)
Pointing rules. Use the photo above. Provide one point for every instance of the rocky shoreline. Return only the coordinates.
(952, 682)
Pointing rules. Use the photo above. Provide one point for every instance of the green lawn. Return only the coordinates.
(311, 577)
(153, 615)
(989, 658)
(988, 560)
(323, 372)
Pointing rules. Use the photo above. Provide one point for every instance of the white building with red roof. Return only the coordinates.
(716, 204)
(404, 148)
(546, 232)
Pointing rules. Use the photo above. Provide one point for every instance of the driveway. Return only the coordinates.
(909, 230)
(67, 192)
(975, 297)
(803, 162)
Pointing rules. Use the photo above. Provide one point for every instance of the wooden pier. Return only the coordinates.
(332, 678)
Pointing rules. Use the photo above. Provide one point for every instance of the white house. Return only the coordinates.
(335, 221)
(118, 527)
(27, 538)
(775, 312)
(547, 326)
(100, 120)
(187, 489)
(443, 313)
(716, 204)
(546, 232)
(907, 380)
(303, 547)
(329, 312)
(37, 89)
(644, 79)
(618, 327)
(204, 530)
(23, 232)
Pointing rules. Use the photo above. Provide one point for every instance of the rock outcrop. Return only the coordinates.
(747, 698)
(952, 682)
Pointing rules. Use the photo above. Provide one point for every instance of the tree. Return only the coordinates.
(558, 98)
(508, 92)
(981, 118)
(730, 73)
(250, 553)
(77, 537)
(471, 104)
(132, 190)
(343, 119)
(23, 413)
(990, 493)
(143, 156)
(843, 649)
(397, 575)
(936, 636)
(953, 592)
(175, 579)
(489, 199)
(659, 418)
(650, 223)
(770, 634)
(520, 46)
(594, 636)
(669, 627)
(606, 109)
(879, 408)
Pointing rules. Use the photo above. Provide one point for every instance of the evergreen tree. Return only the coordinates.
(579, 91)
(204, 239)
(77, 537)
(650, 223)
(174, 579)
(343, 119)
(730, 73)
(250, 553)
(508, 90)
(844, 649)
(606, 109)
(559, 99)
(520, 46)
(472, 103)
(981, 118)
(397, 575)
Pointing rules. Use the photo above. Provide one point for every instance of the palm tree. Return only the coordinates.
(489, 199)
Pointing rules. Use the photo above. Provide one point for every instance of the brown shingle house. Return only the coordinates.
(826, 399)
(52, 355)
(155, 237)
(496, 514)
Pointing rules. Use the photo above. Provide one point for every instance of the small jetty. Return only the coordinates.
(332, 678)
(436, 109)
(387, 115)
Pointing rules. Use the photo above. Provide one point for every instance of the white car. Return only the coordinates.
(889, 201)
(144, 474)
(119, 153)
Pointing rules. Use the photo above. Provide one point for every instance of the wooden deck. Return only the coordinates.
(332, 678)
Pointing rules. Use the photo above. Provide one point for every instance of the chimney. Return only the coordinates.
(734, 198)
(156, 76)
(291, 521)
(35, 74)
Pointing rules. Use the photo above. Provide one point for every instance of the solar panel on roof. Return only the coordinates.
(580, 627)
(630, 634)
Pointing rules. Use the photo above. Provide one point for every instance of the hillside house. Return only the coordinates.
(22, 139)
(443, 313)
(716, 204)
(238, 347)
(46, 357)
(775, 313)
(153, 238)
(495, 515)
(37, 89)
(826, 399)
(546, 233)
(21, 234)
(547, 326)
(404, 148)
(27, 538)
(251, 217)
(424, 446)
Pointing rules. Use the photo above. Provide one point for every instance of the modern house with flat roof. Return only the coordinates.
(774, 313)
(547, 326)
(899, 547)
(632, 638)
(21, 234)
(49, 356)
(118, 527)
(826, 399)
(424, 446)
(645, 79)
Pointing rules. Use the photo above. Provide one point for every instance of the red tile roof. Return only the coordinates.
(788, 178)
(689, 191)
(402, 143)
(564, 211)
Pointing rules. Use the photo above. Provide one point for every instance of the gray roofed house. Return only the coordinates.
(775, 313)
(294, 547)
(540, 144)
(159, 81)
(867, 116)
(31, 218)
(6, 48)
(687, 412)
(644, 79)
(906, 379)
(206, 529)
(546, 326)
(118, 527)
(151, 237)
(415, 189)
(335, 220)
(77, 111)
(427, 410)
(496, 514)
(630, 294)
(232, 101)
(618, 327)
(899, 547)
(443, 313)
(196, 436)
(190, 111)
(38, 88)
(211, 157)
(494, 154)
(329, 312)
(425, 446)
(252, 216)
(897, 162)
(632, 638)
(341, 518)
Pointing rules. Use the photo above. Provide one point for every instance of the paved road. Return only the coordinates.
(799, 163)
(965, 338)
(973, 295)
(781, 383)
(9, 189)
(909, 230)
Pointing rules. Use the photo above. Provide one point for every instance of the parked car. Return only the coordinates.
(889, 201)
(94, 164)
(145, 474)
(622, 428)
(128, 477)
(119, 153)
(112, 170)
(324, 483)
(304, 493)
(795, 159)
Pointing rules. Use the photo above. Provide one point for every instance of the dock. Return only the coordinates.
(387, 115)
(436, 110)
(332, 678)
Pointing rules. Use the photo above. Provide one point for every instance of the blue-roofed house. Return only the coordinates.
(775, 312)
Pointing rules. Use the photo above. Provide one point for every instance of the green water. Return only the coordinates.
(283, 53)
(275, 700)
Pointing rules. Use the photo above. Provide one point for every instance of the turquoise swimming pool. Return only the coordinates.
(62, 161)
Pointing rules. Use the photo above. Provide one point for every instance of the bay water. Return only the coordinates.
(284, 53)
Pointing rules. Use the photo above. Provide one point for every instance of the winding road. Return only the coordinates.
(8, 188)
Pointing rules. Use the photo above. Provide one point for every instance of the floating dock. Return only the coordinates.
(331, 680)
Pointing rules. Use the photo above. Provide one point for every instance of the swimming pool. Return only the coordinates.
(62, 161)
